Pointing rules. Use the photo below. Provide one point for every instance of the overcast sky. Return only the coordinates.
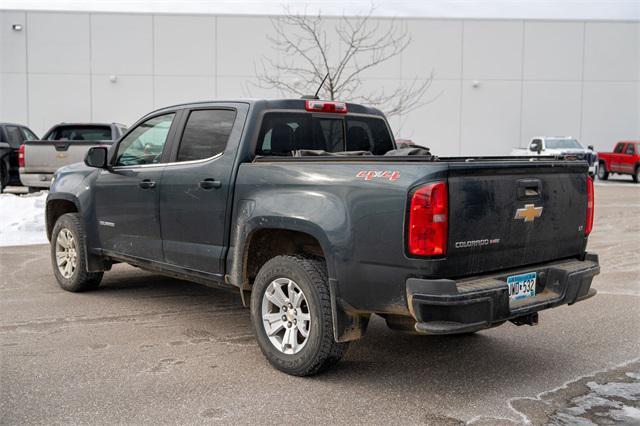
(533, 9)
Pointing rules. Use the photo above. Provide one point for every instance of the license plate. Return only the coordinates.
(522, 286)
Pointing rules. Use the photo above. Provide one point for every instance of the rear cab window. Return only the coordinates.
(282, 133)
(81, 133)
(619, 148)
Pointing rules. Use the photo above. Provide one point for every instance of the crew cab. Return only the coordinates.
(560, 145)
(63, 144)
(312, 212)
(11, 137)
(624, 160)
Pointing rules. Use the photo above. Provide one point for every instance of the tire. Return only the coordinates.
(636, 175)
(603, 174)
(68, 240)
(307, 355)
(4, 176)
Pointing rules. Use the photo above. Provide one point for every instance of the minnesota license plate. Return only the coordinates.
(522, 286)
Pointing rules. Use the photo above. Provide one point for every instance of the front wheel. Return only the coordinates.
(603, 174)
(291, 315)
(68, 256)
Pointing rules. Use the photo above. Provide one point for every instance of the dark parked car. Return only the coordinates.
(11, 137)
(311, 208)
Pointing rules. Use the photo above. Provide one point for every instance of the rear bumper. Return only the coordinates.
(449, 307)
(38, 180)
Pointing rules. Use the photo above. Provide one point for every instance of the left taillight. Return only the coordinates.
(590, 206)
(428, 220)
(21, 156)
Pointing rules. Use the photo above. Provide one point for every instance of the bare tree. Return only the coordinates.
(306, 53)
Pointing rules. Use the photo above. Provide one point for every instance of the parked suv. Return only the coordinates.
(311, 212)
(11, 137)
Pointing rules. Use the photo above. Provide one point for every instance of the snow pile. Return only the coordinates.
(22, 219)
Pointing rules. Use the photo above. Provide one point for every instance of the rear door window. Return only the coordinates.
(629, 150)
(14, 136)
(206, 134)
(283, 133)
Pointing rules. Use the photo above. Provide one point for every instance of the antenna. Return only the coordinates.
(315, 97)
(321, 84)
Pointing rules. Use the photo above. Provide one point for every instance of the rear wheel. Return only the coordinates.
(603, 174)
(291, 315)
(636, 174)
(68, 256)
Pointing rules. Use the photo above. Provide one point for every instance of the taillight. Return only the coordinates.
(428, 220)
(326, 106)
(21, 156)
(590, 206)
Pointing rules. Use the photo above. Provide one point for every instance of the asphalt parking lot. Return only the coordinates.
(149, 349)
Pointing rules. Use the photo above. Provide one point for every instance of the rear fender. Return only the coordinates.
(347, 325)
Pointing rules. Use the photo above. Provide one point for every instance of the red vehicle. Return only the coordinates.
(624, 160)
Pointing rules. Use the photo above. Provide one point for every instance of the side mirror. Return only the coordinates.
(536, 147)
(96, 157)
(590, 147)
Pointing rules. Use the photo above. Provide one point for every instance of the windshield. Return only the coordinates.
(563, 144)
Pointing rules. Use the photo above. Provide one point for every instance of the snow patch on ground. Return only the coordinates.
(22, 219)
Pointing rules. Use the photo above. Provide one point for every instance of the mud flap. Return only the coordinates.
(346, 326)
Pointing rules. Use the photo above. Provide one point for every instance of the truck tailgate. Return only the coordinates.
(49, 156)
(503, 214)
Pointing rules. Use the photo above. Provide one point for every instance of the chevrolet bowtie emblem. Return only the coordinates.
(528, 213)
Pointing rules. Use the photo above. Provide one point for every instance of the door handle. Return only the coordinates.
(210, 184)
(147, 184)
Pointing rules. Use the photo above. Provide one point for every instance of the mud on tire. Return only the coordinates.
(68, 257)
(320, 350)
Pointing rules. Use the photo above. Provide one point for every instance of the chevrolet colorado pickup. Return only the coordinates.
(63, 144)
(311, 208)
(624, 160)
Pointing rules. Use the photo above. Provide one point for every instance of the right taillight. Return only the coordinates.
(590, 206)
(21, 156)
(428, 220)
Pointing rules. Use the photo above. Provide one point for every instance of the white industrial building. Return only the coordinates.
(497, 82)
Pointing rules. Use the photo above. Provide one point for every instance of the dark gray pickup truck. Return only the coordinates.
(311, 208)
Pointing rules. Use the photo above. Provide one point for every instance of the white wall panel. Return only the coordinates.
(13, 52)
(13, 98)
(436, 124)
(490, 117)
(492, 50)
(58, 43)
(54, 98)
(243, 87)
(550, 108)
(610, 113)
(611, 51)
(124, 101)
(184, 45)
(436, 45)
(171, 90)
(553, 50)
(121, 44)
(240, 56)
